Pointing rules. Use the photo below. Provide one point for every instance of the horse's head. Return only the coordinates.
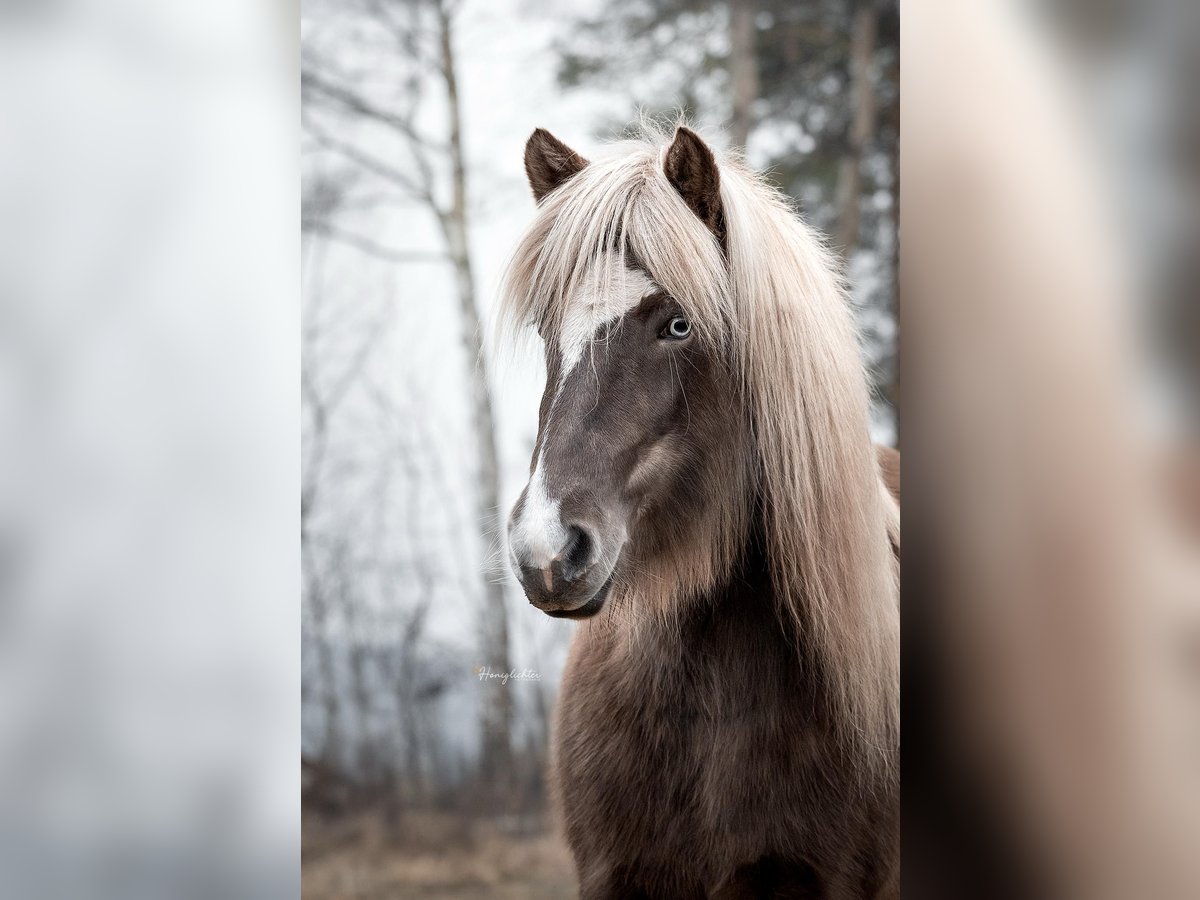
(635, 421)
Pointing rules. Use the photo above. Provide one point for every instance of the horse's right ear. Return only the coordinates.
(549, 163)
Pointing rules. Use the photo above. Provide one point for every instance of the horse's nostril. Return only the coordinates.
(577, 554)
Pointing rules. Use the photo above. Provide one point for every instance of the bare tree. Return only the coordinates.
(317, 411)
(322, 393)
(420, 33)
(420, 470)
(497, 726)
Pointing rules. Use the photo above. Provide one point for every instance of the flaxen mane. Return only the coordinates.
(770, 300)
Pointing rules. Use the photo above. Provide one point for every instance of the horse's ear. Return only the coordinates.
(692, 169)
(549, 163)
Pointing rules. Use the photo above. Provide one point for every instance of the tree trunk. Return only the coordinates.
(893, 388)
(412, 630)
(314, 587)
(862, 126)
(888, 131)
(330, 744)
(743, 70)
(497, 712)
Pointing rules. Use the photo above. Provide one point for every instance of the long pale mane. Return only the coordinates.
(777, 309)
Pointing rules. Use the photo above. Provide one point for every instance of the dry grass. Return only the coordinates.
(431, 855)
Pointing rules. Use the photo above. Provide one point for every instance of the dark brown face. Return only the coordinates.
(624, 429)
(636, 433)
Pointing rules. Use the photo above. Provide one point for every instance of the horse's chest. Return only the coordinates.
(702, 755)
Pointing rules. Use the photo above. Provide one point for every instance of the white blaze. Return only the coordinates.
(538, 533)
(609, 291)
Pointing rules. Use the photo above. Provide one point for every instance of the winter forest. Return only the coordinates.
(417, 431)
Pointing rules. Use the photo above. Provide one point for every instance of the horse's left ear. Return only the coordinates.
(692, 169)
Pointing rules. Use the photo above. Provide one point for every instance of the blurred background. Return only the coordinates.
(424, 771)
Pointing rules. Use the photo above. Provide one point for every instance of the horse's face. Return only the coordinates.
(634, 413)
(630, 414)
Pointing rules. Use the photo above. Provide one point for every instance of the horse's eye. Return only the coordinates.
(678, 328)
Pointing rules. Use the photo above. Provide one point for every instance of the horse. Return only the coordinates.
(705, 499)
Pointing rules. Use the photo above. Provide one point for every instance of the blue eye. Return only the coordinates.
(677, 329)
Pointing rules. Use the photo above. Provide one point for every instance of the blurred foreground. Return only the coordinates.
(1051, 582)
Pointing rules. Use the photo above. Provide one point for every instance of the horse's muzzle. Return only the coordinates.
(573, 582)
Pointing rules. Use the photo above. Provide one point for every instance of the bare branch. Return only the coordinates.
(369, 201)
(405, 35)
(367, 161)
(320, 83)
(369, 247)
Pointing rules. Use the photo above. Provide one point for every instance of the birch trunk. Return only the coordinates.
(862, 126)
(743, 70)
(497, 712)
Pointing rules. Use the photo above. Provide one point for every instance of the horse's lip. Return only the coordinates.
(588, 609)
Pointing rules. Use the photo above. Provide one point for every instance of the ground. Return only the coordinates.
(431, 855)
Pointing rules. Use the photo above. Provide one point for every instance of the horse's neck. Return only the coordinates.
(747, 592)
(728, 635)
